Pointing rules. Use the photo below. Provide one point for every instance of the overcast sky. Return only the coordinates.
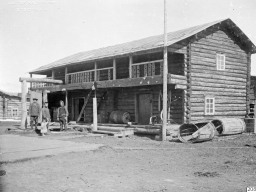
(37, 32)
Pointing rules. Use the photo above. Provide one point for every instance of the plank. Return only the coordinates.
(85, 103)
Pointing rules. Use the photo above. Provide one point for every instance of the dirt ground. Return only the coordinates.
(138, 164)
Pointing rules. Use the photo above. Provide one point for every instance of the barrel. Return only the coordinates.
(199, 132)
(185, 132)
(120, 117)
(229, 126)
(206, 131)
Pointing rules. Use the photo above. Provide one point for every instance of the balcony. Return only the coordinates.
(140, 74)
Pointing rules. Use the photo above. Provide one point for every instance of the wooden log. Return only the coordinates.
(113, 129)
(217, 72)
(218, 85)
(248, 84)
(218, 81)
(40, 80)
(95, 120)
(130, 66)
(212, 89)
(147, 131)
(220, 77)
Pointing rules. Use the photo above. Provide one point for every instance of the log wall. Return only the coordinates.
(228, 87)
(11, 103)
(124, 99)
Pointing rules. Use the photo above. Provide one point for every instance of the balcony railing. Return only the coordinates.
(39, 85)
(146, 69)
(103, 74)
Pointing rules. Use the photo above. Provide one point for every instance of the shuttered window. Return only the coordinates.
(220, 61)
(209, 106)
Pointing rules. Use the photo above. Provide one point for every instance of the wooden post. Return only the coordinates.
(53, 74)
(23, 103)
(248, 84)
(130, 66)
(4, 107)
(66, 75)
(66, 101)
(95, 118)
(95, 71)
(165, 72)
(31, 76)
(45, 98)
(114, 69)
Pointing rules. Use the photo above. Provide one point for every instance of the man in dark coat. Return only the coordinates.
(34, 112)
(62, 115)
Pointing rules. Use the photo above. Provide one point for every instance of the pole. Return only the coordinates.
(165, 71)
(95, 118)
(23, 103)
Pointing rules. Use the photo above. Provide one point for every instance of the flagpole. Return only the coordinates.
(165, 72)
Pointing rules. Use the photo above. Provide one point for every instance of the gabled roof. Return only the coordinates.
(148, 43)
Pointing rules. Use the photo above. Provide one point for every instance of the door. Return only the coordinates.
(144, 108)
(78, 104)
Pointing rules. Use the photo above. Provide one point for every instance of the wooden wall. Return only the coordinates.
(124, 99)
(228, 86)
(253, 90)
(11, 103)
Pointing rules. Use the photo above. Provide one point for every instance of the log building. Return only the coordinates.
(208, 76)
(10, 106)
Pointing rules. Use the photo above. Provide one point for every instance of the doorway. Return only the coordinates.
(78, 104)
(144, 108)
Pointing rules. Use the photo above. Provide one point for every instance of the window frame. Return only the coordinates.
(206, 104)
(9, 112)
(13, 109)
(219, 65)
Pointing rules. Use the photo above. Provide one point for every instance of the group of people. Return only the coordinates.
(35, 110)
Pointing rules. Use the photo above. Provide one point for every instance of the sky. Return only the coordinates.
(37, 32)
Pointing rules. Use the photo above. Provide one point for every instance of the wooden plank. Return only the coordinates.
(23, 103)
(130, 66)
(114, 69)
(85, 103)
(40, 80)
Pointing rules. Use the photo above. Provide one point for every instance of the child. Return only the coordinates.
(43, 127)
(46, 114)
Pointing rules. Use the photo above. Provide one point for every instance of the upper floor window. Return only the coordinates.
(220, 61)
(209, 105)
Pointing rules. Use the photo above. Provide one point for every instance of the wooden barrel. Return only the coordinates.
(229, 126)
(199, 132)
(206, 131)
(185, 132)
(120, 117)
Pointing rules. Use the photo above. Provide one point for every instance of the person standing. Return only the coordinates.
(46, 115)
(34, 112)
(62, 114)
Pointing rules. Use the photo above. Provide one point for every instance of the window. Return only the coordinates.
(220, 61)
(209, 106)
(15, 112)
(9, 112)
